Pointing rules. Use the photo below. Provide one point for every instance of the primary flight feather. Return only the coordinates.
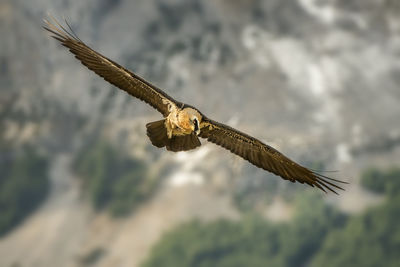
(183, 124)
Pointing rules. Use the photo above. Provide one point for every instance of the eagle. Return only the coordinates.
(182, 124)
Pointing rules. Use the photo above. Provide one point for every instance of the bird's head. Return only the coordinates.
(194, 119)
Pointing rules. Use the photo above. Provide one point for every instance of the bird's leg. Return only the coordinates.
(171, 121)
(169, 127)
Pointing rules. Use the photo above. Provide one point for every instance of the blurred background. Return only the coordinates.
(81, 185)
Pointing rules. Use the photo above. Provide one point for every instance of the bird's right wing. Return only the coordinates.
(111, 71)
(264, 156)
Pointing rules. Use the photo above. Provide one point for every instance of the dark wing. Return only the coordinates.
(109, 70)
(263, 156)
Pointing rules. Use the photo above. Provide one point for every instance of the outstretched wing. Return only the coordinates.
(264, 156)
(110, 70)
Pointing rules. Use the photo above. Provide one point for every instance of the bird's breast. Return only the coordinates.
(184, 122)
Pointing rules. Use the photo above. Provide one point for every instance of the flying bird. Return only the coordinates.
(182, 124)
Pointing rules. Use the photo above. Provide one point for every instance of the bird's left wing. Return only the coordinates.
(263, 156)
(110, 70)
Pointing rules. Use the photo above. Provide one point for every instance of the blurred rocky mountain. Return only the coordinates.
(317, 79)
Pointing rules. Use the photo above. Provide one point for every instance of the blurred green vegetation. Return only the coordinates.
(112, 179)
(318, 235)
(378, 181)
(373, 238)
(24, 181)
(252, 241)
(24, 184)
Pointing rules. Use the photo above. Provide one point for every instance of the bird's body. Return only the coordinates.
(183, 124)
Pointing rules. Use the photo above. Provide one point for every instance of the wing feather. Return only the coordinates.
(264, 156)
(111, 71)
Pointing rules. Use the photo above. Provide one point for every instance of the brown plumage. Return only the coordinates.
(158, 136)
(182, 124)
(263, 156)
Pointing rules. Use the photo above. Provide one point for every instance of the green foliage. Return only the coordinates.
(372, 179)
(221, 243)
(249, 242)
(318, 235)
(305, 233)
(24, 184)
(113, 180)
(382, 181)
(373, 238)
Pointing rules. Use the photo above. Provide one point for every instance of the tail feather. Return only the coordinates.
(157, 133)
(183, 143)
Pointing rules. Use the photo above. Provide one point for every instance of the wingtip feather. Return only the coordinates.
(322, 180)
(53, 26)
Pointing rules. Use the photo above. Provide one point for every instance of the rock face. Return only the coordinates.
(319, 80)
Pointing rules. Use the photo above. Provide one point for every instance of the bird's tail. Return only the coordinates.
(157, 133)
